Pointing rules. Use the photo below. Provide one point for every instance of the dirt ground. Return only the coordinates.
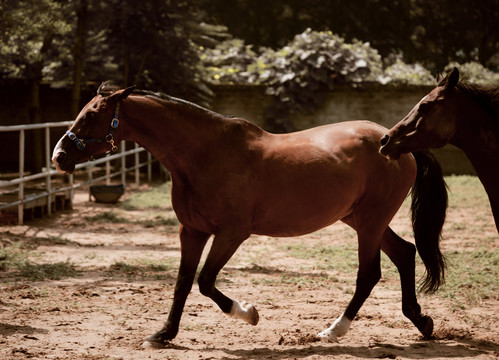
(108, 305)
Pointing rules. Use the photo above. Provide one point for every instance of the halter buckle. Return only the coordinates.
(80, 144)
(110, 140)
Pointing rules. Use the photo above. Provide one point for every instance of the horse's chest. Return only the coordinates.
(203, 211)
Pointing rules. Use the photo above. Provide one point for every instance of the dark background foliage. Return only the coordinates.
(428, 31)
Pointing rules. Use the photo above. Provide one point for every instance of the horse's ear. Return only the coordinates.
(439, 77)
(453, 79)
(121, 94)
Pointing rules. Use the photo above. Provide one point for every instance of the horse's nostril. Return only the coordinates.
(384, 140)
(60, 157)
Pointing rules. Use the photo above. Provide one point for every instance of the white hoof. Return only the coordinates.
(152, 345)
(244, 311)
(339, 328)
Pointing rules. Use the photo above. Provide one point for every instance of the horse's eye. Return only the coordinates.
(90, 115)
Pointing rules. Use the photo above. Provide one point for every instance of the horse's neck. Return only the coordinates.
(478, 136)
(176, 137)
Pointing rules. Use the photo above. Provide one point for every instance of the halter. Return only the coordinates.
(81, 143)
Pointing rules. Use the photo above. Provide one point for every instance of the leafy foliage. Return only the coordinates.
(475, 73)
(28, 32)
(295, 74)
(410, 74)
(426, 31)
(322, 56)
(151, 44)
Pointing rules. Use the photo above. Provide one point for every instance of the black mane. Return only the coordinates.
(167, 98)
(107, 88)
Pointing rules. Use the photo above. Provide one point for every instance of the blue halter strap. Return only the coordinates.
(81, 143)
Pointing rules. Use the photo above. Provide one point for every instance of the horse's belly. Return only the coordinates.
(294, 218)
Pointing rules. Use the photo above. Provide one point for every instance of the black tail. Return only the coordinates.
(429, 204)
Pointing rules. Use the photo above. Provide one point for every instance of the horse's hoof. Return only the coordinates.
(339, 328)
(148, 344)
(427, 327)
(245, 311)
(253, 316)
(328, 335)
(156, 341)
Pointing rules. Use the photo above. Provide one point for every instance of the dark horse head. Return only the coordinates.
(430, 124)
(95, 131)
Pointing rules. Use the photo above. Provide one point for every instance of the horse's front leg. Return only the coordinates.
(367, 277)
(192, 243)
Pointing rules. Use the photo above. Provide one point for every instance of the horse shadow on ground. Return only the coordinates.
(8, 330)
(420, 350)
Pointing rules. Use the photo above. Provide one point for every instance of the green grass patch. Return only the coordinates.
(341, 258)
(107, 217)
(55, 271)
(156, 198)
(114, 218)
(11, 257)
(158, 220)
(144, 267)
(466, 191)
(472, 276)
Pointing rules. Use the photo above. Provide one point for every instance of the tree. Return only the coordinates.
(151, 44)
(79, 55)
(456, 30)
(30, 29)
(432, 32)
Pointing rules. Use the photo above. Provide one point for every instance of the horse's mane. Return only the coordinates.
(107, 88)
(485, 95)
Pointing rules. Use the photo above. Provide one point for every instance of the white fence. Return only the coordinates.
(48, 192)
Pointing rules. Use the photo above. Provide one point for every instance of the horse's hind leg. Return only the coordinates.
(192, 244)
(402, 254)
(224, 246)
(368, 276)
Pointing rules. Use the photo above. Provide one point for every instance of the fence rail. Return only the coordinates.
(49, 192)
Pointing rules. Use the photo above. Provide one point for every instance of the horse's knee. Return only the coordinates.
(370, 279)
(206, 285)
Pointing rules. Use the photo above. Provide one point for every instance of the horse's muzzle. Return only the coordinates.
(388, 149)
(63, 166)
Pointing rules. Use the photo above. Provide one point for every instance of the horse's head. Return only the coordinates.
(95, 131)
(428, 125)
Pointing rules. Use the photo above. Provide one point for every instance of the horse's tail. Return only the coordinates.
(429, 204)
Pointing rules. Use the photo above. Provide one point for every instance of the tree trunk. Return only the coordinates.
(35, 118)
(78, 56)
(35, 77)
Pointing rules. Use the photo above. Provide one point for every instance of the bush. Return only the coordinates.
(312, 57)
(475, 72)
(297, 74)
(409, 74)
(226, 63)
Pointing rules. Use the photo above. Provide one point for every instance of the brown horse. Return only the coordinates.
(232, 179)
(458, 113)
